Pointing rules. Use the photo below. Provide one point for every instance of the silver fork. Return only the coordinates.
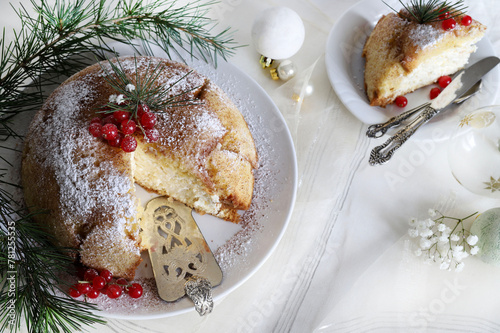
(378, 130)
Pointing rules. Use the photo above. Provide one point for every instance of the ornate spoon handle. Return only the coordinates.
(383, 153)
(378, 130)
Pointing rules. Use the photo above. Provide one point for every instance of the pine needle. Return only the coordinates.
(427, 11)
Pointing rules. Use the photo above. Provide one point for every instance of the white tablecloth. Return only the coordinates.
(342, 265)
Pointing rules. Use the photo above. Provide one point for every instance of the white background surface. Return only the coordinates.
(340, 265)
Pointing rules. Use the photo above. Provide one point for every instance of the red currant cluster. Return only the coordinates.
(95, 283)
(118, 128)
(443, 82)
(449, 23)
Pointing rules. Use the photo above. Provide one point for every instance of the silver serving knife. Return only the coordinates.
(463, 81)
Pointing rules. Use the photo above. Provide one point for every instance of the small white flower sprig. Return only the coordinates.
(443, 239)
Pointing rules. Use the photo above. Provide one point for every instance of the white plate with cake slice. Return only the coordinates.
(345, 67)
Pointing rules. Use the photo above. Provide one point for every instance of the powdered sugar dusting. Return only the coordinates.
(65, 137)
(425, 35)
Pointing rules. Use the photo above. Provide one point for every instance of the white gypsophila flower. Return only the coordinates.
(441, 227)
(474, 250)
(454, 238)
(119, 99)
(422, 226)
(472, 240)
(112, 98)
(432, 212)
(413, 233)
(459, 255)
(444, 265)
(129, 87)
(444, 238)
(412, 222)
(426, 233)
(459, 267)
(418, 252)
(430, 223)
(425, 244)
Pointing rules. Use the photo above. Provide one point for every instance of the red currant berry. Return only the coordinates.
(84, 288)
(96, 120)
(444, 81)
(148, 120)
(116, 142)
(109, 131)
(109, 119)
(152, 135)
(401, 101)
(90, 274)
(128, 126)
(73, 291)
(98, 283)
(445, 14)
(135, 290)
(104, 290)
(95, 129)
(142, 109)
(435, 93)
(93, 293)
(121, 115)
(466, 20)
(114, 291)
(122, 282)
(107, 275)
(129, 144)
(449, 24)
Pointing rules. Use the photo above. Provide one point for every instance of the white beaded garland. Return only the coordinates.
(278, 33)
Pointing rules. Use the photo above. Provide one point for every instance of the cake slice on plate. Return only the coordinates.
(403, 53)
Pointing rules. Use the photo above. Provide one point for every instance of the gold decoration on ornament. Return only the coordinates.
(274, 74)
(266, 62)
(493, 185)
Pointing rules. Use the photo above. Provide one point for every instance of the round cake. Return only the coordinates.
(204, 156)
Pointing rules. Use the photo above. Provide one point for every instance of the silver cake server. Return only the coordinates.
(181, 259)
(463, 81)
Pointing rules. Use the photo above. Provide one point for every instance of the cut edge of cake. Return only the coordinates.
(402, 56)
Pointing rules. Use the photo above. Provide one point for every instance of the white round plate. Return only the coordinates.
(243, 250)
(345, 67)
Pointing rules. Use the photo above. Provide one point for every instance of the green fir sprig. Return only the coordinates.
(60, 38)
(144, 91)
(427, 11)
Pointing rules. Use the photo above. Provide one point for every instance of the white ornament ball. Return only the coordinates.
(487, 228)
(278, 33)
(286, 70)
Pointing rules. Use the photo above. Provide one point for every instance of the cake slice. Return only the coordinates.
(403, 55)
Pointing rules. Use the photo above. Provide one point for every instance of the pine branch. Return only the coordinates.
(156, 98)
(46, 42)
(428, 11)
(57, 41)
